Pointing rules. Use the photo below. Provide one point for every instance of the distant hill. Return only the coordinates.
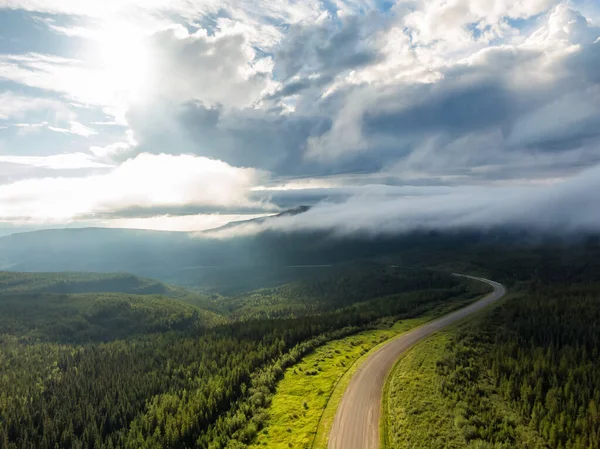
(86, 249)
(124, 283)
(80, 307)
(247, 262)
(226, 265)
(234, 224)
(70, 282)
(142, 252)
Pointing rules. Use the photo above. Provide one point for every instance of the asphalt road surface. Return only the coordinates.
(356, 423)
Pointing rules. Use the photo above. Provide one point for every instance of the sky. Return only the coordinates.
(386, 115)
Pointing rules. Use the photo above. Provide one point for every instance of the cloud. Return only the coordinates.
(326, 48)
(147, 181)
(568, 206)
(185, 64)
(462, 23)
(64, 76)
(361, 95)
(56, 162)
(17, 107)
(184, 223)
(110, 151)
(262, 19)
(128, 68)
(505, 102)
(243, 137)
(75, 128)
(281, 9)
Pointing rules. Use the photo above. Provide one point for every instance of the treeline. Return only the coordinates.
(329, 291)
(523, 263)
(199, 387)
(540, 352)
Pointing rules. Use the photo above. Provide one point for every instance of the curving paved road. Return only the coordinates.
(356, 423)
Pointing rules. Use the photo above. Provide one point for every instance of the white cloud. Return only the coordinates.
(146, 181)
(109, 151)
(280, 9)
(428, 37)
(128, 67)
(25, 129)
(457, 24)
(184, 223)
(264, 17)
(74, 128)
(56, 161)
(16, 107)
(221, 69)
(60, 75)
(539, 94)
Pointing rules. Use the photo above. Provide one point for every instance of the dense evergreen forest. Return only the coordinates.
(542, 349)
(131, 370)
(540, 353)
(526, 373)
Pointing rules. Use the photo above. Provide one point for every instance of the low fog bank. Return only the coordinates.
(569, 206)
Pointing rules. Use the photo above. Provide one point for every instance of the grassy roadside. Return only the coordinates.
(308, 395)
(326, 421)
(421, 416)
(415, 412)
(302, 410)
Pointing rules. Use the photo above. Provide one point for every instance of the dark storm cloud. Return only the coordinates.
(269, 141)
(298, 86)
(444, 108)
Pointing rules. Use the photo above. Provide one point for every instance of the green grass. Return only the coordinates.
(322, 434)
(303, 408)
(304, 391)
(415, 414)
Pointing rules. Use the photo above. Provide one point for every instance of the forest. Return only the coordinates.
(541, 353)
(133, 370)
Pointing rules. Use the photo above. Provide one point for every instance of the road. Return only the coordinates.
(356, 423)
